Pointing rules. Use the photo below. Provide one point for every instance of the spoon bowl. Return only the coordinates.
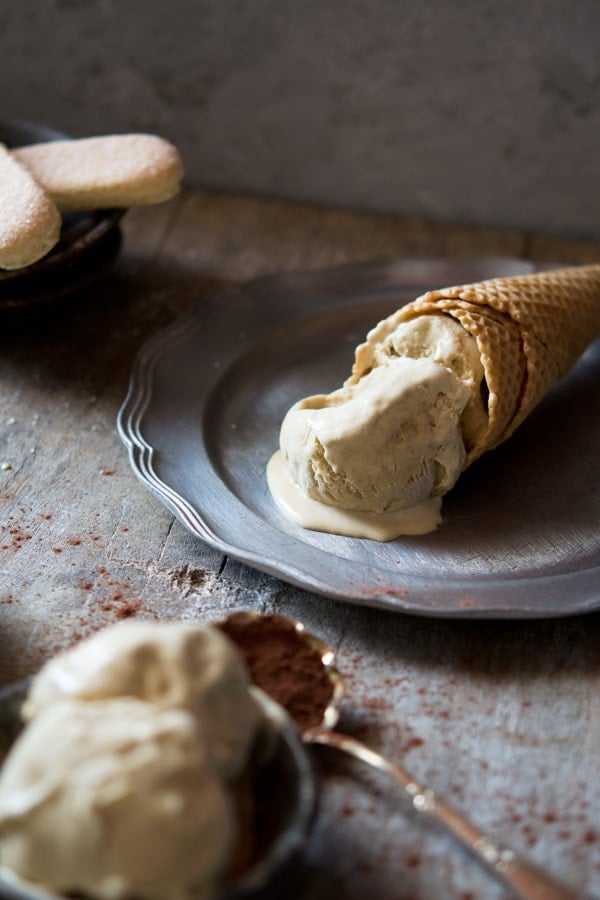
(294, 667)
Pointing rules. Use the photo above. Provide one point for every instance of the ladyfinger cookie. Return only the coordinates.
(117, 170)
(29, 221)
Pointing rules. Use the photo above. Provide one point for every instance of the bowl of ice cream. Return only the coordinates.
(143, 764)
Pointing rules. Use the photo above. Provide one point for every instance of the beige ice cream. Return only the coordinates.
(374, 457)
(169, 665)
(126, 780)
(115, 799)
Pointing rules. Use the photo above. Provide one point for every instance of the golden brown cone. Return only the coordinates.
(530, 330)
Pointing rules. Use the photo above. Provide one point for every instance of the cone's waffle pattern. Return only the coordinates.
(530, 330)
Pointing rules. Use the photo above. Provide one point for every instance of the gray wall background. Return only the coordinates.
(469, 111)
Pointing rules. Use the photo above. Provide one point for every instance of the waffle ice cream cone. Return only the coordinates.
(530, 330)
(433, 386)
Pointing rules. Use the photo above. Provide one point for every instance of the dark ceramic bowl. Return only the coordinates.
(89, 242)
(285, 802)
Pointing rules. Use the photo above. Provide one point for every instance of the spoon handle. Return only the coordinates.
(526, 880)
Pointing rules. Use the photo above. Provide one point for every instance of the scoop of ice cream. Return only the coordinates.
(437, 337)
(115, 799)
(175, 664)
(132, 776)
(394, 434)
(386, 443)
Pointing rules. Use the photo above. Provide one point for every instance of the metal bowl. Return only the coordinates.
(285, 802)
(89, 242)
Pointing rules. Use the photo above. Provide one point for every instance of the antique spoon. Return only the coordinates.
(298, 670)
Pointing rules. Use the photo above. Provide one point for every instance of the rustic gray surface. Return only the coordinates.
(478, 111)
(501, 717)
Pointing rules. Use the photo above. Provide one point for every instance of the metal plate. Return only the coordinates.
(521, 531)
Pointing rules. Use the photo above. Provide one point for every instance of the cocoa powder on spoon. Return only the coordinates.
(284, 664)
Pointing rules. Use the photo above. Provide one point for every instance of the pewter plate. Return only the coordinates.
(521, 530)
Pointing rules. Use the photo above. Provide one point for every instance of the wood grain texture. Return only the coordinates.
(501, 717)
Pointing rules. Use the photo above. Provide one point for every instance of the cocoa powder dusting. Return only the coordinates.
(283, 664)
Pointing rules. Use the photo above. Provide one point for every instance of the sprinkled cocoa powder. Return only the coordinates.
(283, 664)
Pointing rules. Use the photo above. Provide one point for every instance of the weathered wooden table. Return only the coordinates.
(502, 717)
